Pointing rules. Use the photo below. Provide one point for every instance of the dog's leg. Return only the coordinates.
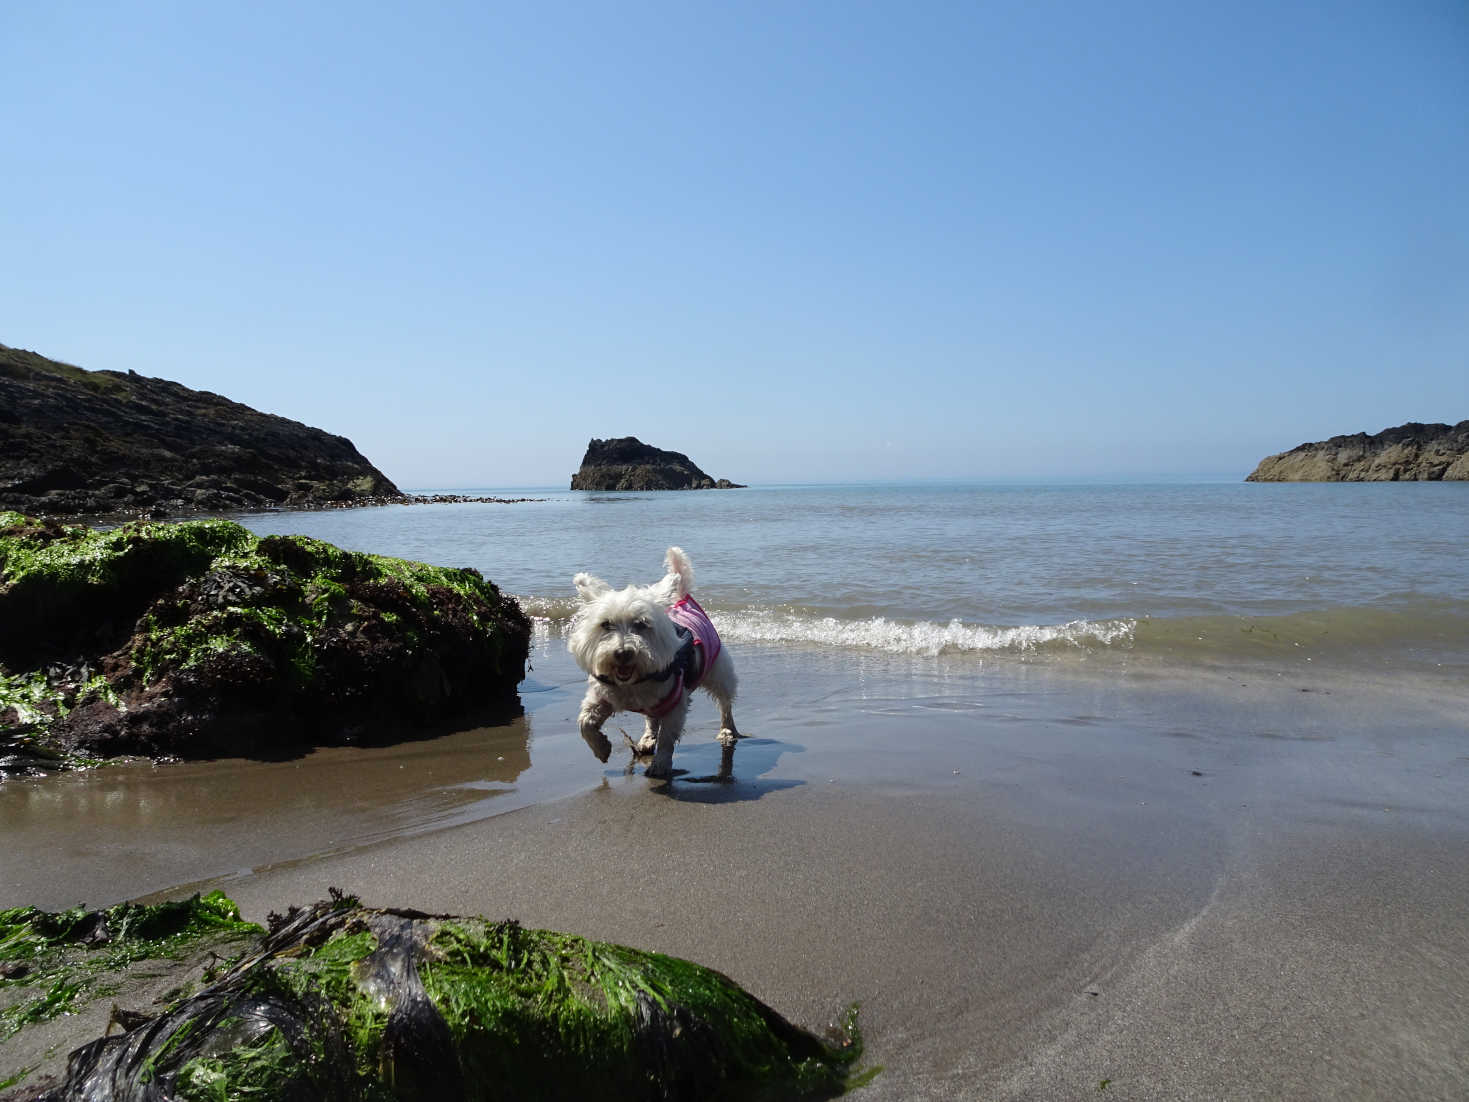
(594, 713)
(649, 741)
(669, 729)
(720, 684)
(728, 732)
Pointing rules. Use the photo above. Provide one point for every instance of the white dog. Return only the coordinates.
(645, 649)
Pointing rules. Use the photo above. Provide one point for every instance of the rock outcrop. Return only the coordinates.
(75, 442)
(626, 463)
(1408, 453)
(337, 1001)
(200, 640)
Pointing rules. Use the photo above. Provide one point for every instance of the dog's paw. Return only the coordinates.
(659, 770)
(599, 743)
(728, 736)
(643, 748)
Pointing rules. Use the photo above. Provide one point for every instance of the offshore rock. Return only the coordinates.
(626, 463)
(341, 1001)
(1409, 453)
(74, 442)
(199, 639)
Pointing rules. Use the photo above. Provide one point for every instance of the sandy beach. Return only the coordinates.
(1036, 883)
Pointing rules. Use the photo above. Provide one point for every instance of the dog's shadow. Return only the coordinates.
(718, 774)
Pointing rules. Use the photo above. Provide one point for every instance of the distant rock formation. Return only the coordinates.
(626, 463)
(1408, 453)
(74, 441)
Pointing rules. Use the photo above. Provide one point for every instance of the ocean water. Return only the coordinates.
(1372, 576)
(912, 638)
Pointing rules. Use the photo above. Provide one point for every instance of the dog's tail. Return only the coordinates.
(680, 580)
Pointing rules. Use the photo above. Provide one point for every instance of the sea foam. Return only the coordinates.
(878, 633)
(923, 637)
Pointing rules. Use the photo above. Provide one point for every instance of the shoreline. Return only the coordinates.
(157, 512)
(1032, 881)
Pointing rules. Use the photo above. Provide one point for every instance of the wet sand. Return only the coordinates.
(1034, 882)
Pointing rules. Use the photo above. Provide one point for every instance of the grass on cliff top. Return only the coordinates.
(20, 363)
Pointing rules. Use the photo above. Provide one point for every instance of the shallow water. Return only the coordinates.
(815, 716)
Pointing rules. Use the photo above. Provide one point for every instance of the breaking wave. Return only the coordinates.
(878, 633)
(924, 637)
(1435, 632)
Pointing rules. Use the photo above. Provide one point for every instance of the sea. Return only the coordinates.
(1353, 575)
(983, 638)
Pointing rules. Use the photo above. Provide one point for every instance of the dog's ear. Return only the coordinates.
(590, 587)
(676, 584)
(668, 589)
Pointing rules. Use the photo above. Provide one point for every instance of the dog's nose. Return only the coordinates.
(623, 654)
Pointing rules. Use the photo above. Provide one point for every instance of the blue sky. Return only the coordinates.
(799, 241)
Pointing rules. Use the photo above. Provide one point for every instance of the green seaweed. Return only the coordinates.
(344, 1002)
(537, 1008)
(68, 956)
(28, 694)
(259, 1068)
(61, 569)
(331, 972)
(20, 1074)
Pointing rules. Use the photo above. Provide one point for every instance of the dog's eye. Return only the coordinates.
(641, 626)
(606, 625)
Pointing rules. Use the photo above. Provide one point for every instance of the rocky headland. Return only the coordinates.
(199, 640)
(1409, 453)
(626, 463)
(78, 442)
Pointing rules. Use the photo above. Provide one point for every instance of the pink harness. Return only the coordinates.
(695, 656)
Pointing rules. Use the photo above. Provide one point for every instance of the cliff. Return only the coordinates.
(1408, 453)
(626, 463)
(74, 441)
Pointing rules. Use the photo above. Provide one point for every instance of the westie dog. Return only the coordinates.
(645, 649)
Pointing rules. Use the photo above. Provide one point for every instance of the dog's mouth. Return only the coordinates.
(624, 671)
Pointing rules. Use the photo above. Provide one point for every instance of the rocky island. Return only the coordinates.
(74, 442)
(200, 640)
(626, 463)
(1409, 453)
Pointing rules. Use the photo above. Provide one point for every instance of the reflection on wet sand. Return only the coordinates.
(123, 830)
(639, 760)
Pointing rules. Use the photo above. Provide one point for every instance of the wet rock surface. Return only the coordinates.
(1412, 452)
(199, 639)
(341, 1001)
(76, 442)
(626, 463)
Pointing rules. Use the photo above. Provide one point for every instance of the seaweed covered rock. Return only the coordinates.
(340, 1001)
(626, 463)
(199, 639)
